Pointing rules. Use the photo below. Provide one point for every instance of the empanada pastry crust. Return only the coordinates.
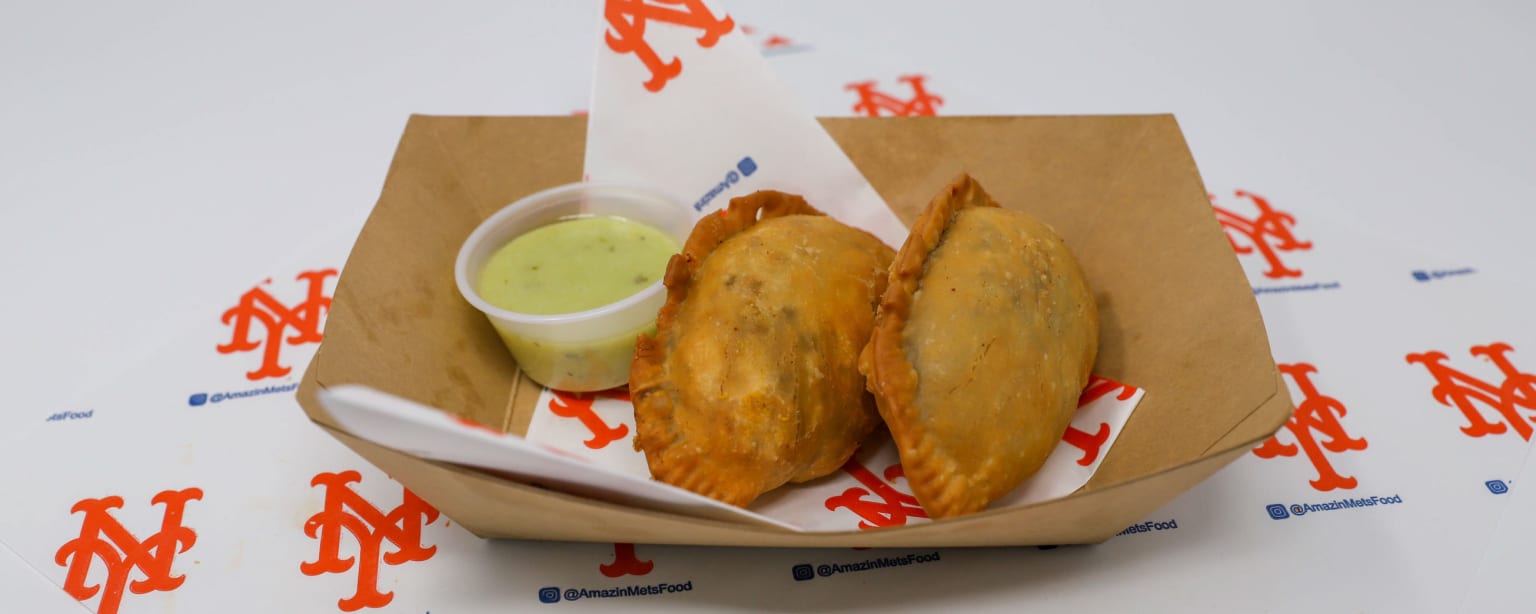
(983, 342)
(752, 378)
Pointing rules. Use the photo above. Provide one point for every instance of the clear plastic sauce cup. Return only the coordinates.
(585, 350)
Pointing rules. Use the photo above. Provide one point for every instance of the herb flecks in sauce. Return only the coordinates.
(575, 265)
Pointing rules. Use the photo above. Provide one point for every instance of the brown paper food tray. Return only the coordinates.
(1178, 317)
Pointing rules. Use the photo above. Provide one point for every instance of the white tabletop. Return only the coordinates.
(159, 159)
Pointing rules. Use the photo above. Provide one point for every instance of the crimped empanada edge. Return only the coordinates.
(891, 378)
(647, 372)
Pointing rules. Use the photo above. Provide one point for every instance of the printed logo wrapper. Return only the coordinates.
(420, 430)
(684, 104)
(870, 490)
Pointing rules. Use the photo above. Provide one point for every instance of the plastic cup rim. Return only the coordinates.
(461, 263)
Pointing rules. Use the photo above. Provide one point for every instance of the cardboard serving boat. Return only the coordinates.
(1178, 316)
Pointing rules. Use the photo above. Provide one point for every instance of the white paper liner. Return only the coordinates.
(869, 492)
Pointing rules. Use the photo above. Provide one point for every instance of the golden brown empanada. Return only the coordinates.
(983, 342)
(752, 379)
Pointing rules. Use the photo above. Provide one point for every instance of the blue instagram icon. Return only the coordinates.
(747, 166)
(549, 594)
(1277, 511)
(803, 572)
(1497, 487)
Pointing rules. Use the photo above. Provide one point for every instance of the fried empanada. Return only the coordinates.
(752, 378)
(984, 340)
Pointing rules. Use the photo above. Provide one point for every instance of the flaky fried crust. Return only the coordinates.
(892, 378)
(708, 234)
(947, 476)
(751, 379)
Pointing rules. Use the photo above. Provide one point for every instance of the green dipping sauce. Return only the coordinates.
(575, 265)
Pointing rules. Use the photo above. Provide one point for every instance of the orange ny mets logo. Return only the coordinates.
(345, 509)
(891, 508)
(1269, 232)
(276, 318)
(625, 563)
(103, 537)
(875, 103)
(578, 405)
(1454, 387)
(1092, 443)
(627, 20)
(1317, 414)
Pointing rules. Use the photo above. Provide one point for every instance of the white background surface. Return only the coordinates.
(157, 159)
